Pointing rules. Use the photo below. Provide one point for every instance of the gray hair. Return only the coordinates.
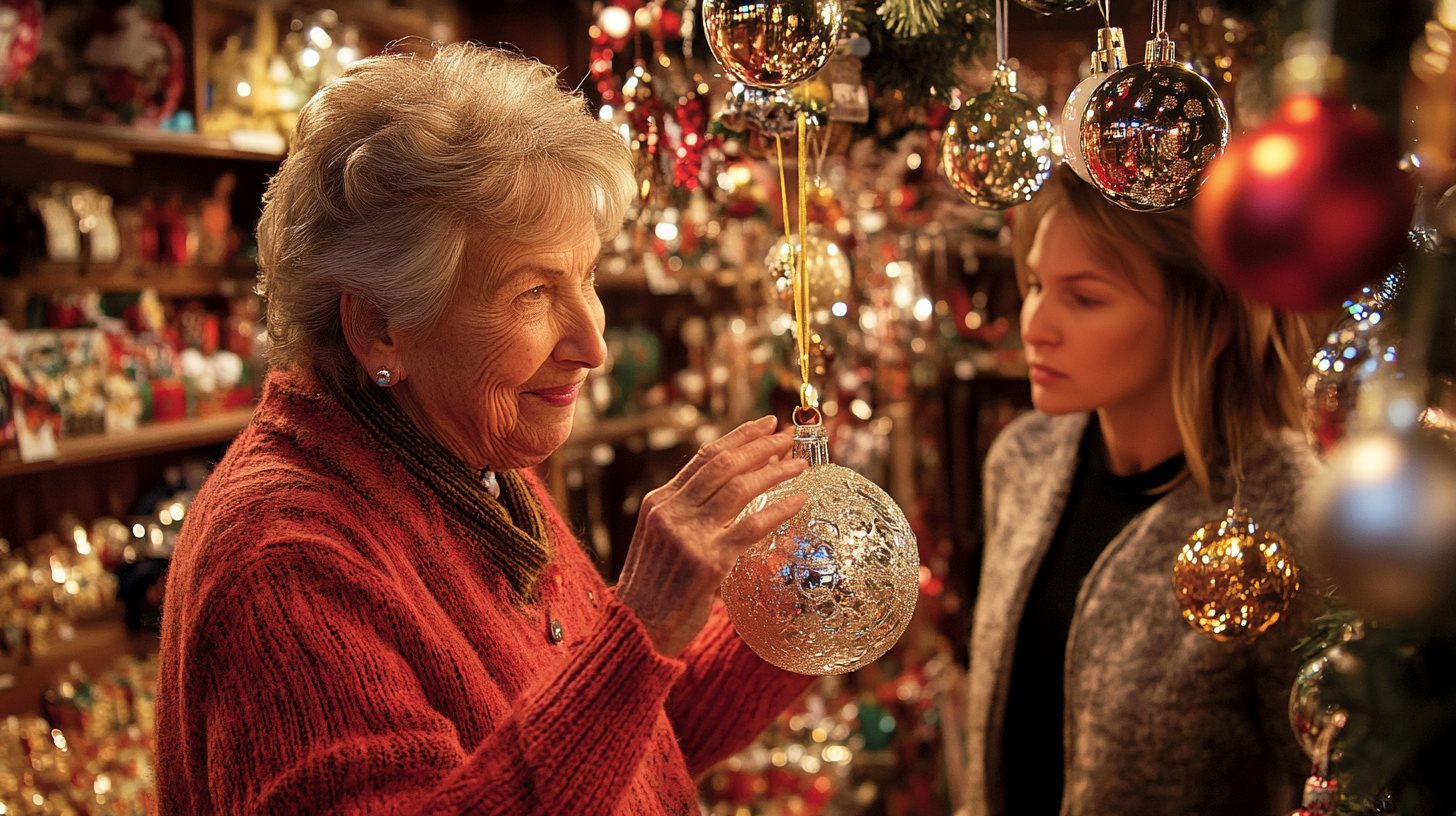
(397, 161)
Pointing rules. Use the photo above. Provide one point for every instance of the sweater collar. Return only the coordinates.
(511, 527)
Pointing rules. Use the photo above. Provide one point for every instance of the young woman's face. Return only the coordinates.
(1095, 338)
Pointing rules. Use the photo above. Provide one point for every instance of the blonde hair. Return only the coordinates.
(1223, 399)
(396, 162)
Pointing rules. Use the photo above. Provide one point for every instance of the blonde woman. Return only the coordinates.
(374, 607)
(1089, 694)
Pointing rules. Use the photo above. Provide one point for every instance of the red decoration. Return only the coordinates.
(1303, 210)
(22, 36)
(692, 118)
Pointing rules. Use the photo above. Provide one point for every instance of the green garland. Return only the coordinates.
(921, 68)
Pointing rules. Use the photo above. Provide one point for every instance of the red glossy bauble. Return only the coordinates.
(1303, 210)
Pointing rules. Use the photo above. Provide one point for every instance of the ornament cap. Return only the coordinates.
(811, 442)
(1111, 52)
(1004, 79)
(1159, 51)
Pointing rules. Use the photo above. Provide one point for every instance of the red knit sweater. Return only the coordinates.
(333, 643)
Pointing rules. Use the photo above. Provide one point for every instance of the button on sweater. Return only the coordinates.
(335, 642)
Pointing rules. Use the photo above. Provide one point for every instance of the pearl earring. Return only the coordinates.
(383, 378)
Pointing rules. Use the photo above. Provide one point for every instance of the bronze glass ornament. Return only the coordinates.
(1150, 130)
(1234, 580)
(997, 149)
(827, 270)
(772, 43)
(1110, 55)
(834, 587)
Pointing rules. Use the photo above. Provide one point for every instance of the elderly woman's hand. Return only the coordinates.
(686, 538)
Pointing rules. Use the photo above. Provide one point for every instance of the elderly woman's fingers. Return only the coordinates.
(737, 492)
(726, 464)
(742, 435)
(755, 526)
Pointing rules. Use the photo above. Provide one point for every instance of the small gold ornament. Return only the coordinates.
(1234, 580)
(1150, 130)
(997, 149)
(773, 43)
(826, 267)
(834, 587)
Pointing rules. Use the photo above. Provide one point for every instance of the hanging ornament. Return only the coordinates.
(1151, 129)
(1054, 6)
(1300, 211)
(997, 149)
(692, 120)
(1384, 524)
(767, 113)
(911, 18)
(644, 112)
(835, 586)
(826, 268)
(772, 43)
(1315, 726)
(1234, 580)
(1110, 55)
(1355, 353)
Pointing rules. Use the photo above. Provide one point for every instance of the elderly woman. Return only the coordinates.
(374, 608)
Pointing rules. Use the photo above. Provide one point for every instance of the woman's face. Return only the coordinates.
(496, 379)
(1095, 339)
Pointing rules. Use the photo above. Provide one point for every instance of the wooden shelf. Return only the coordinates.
(113, 144)
(96, 646)
(159, 437)
(170, 280)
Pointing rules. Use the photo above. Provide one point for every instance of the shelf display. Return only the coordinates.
(134, 150)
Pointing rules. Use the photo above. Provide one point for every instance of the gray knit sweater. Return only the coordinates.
(1159, 719)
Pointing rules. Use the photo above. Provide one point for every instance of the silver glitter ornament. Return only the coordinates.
(1150, 130)
(833, 588)
(997, 149)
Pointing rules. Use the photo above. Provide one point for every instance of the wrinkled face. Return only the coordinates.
(496, 378)
(1095, 338)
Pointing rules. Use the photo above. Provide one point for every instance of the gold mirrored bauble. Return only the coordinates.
(826, 265)
(834, 587)
(1234, 580)
(773, 43)
(1149, 132)
(997, 149)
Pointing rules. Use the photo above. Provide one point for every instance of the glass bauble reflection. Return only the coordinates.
(1233, 579)
(772, 43)
(770, 113)
(1110, 55)
(1054, 6)
(1150, 131)
(1315, 724)
(1355, 351)
(1383, 523)
(997, 149)
(826, 266)
(834, 587)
